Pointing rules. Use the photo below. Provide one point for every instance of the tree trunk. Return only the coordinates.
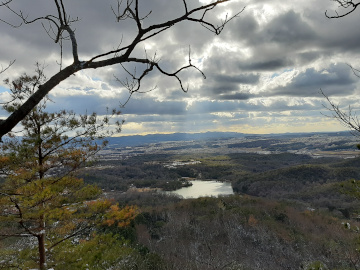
(42, 254)
(8, 124)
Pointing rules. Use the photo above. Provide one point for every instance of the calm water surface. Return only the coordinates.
(204, 188)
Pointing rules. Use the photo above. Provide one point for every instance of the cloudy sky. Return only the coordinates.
(263, 73)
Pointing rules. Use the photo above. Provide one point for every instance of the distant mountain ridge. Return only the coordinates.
(137, 140)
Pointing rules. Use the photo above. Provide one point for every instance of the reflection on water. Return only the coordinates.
(204, 188)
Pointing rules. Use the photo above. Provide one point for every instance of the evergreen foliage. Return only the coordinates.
(42, 201)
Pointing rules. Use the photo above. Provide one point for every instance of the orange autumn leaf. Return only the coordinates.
(121, 216)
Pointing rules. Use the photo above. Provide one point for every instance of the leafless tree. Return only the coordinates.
(60, 26)
(349, 117)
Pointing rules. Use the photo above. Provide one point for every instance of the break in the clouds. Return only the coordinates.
(263, 73)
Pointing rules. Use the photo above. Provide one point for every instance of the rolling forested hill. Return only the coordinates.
(296, 201)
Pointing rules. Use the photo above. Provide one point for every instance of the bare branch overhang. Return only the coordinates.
(345, 5)
(62, 23)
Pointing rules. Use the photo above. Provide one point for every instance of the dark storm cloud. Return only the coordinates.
(335, 35)
(150, 106)
(266, 65)
(276, 45)
(245, 27)
(240, 78)
(241, 106)
(225, 87)
(236, 96)
(82, 103)
(289, 29)
(336, 79)
(304, 58)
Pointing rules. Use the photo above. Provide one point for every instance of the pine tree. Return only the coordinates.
(41, 198)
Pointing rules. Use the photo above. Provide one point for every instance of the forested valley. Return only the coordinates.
(77, 204)
(289, 210)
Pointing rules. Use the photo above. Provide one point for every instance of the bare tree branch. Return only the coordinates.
(61, 23)
(76, 233)
(60, 28)
(348, 119)
(3, 69)
(347, 5)
(134, 85)
(5, 3)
